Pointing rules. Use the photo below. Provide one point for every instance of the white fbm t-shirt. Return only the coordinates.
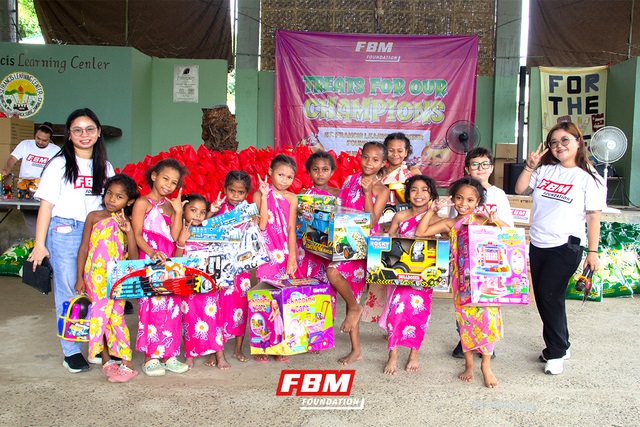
(72, 200)
(33, 157)
(561, 197)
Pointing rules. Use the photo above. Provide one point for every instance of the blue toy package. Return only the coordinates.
(222, 228)
(74, 322)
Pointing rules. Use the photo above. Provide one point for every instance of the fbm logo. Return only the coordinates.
(374, 47)
(315, 382)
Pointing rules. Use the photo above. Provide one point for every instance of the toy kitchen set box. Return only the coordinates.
(408, 261)
(331, 231)
(495, 266)
(290, 316)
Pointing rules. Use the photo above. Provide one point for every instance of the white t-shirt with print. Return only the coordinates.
(70, 200)
(495, 199)
(561, 197)
(33, 157)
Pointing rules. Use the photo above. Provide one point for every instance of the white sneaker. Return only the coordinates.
(566, 356)
(554, 366)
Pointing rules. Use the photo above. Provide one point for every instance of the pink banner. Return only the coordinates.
(338, 91)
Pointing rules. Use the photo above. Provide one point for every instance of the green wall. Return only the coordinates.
(131, 91)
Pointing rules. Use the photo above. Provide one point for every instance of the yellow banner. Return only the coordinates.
(575, 95)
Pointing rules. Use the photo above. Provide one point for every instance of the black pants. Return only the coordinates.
(551, 269)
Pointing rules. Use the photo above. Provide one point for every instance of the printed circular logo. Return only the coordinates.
(21, 94)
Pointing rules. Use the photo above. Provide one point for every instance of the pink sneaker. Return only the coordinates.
(123, 375)
(110, 368)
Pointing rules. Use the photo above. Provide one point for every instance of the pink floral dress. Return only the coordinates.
(234, 305)
(159, 317)
(202, 330)
(107, 243)
(310, 264)
(352, 196)
(276, 237)
(480, 327)
(407, 310)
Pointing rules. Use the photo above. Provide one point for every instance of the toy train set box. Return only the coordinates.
(408, 261)
(495, 266)
(334, 232)
(290, 316)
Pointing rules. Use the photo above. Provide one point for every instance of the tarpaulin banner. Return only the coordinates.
(576, 95)
(338, 91)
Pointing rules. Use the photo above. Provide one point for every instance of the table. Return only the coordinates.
(14, 203)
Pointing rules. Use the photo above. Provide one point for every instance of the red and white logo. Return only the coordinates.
(41, 160)
(315, 382)
(555, 187)
(84, 182)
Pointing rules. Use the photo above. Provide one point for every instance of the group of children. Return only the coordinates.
(156, 227)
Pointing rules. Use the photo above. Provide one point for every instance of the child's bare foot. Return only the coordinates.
(391, 368)
(412, 362)
(222, 362)
(211, 361)
(490, 380)
(240, 356)
(352, 319)
(467, 375)
(354, 356)
(189, 362)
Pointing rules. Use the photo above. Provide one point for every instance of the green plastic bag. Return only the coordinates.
(596, 288)
(11, 260)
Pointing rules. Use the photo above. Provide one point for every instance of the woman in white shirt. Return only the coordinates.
(567, 192)
(70, 188)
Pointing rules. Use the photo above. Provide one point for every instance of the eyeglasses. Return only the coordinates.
(479, 165)
(90, 130)
(565, 140)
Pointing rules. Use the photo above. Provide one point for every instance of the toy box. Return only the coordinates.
(408, 261)
(222, 227)
(495, 266)
(290, 317)
(335, 232)
(306, 203)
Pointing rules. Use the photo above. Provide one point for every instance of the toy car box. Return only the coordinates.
(306, 203)
(495, 266)
(408, 261)
(335, 232)
(290, 316)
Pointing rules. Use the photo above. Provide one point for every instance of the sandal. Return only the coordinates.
(110, 368)
(153, 368)
(282, 359)
(174, 365)
(261, 358)
(123, 375)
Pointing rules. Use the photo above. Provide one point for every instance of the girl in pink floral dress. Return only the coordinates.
(320, 166)
(406, 314)
(108, 236)
(362, 191)
(278, 208)
(234, 306)
(480, 327)
(202, 330)
(157, 222)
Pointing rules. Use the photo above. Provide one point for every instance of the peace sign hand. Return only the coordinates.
(533, 158)
(263, 186)
(176, 203)
(215, 206)
(184, 233)
(123, 222)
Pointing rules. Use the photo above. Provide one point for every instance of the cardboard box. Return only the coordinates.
(495, 268)
(408, 261)
(521, 208)
(506, 151)
(290, 317)
(306, 203)
(497, 178)
(335, 232)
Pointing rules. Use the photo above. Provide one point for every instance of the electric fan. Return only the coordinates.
(462, 136)
(608, 145)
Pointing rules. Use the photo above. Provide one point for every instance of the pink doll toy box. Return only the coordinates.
(290, 317)
(494, 265)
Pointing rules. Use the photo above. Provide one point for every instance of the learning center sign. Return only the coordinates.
(338, 91)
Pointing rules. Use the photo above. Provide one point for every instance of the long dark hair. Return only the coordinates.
(581, 159)
(99, 155)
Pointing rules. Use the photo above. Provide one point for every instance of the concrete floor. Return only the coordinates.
(598, 386)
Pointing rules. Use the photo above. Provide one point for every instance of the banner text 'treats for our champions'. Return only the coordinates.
(371, 109)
